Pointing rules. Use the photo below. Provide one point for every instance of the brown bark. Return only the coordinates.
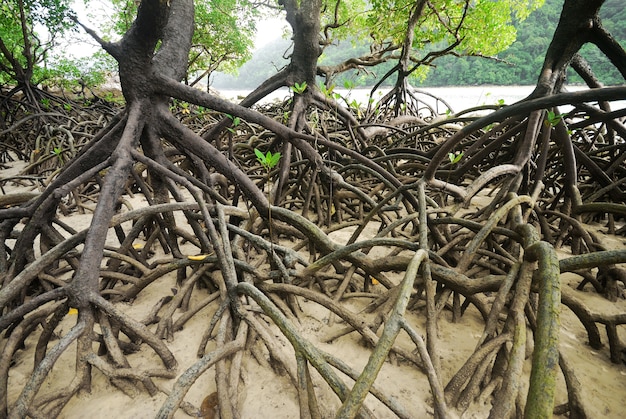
(578, 22)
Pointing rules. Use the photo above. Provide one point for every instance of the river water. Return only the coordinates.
(458, 97)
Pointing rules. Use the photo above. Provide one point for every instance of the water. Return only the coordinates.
(464, 97)
(458, 97)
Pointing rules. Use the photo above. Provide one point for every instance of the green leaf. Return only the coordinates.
(553, 119)
(299, 88)
(268, 160)
(455, 157)
(273, 160)
(260, 156)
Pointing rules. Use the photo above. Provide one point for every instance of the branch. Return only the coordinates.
(614, 51)
(110, 47)
(370, 60)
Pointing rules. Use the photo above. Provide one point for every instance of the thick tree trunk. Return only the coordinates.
(138, 65)
(304, 18)
(142, 60)
(305, 23)
(577, 25)
(405, 56)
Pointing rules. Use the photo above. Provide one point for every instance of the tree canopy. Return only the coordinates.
(32, 30)
(517, 64)
(225, 32)
(223, 39)
(29, 29)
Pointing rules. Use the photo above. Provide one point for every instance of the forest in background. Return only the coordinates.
(518, 65)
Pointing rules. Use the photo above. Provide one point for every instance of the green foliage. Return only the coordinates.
(45, 103)
(488, 28)
(484, 27)
(58, 151)
(455, 157)
(349, 20)
(223, 38)
(73, 73)
(235, 122)
(54, 15)
(267, 160)
(356, 107)
(552, 118)
(298, 88)
(224, 34)
(328, 91)
(522, 61)
(24, 44)
(359, 27)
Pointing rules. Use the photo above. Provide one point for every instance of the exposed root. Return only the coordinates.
(175, 213)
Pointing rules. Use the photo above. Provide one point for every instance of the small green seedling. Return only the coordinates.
(57, 151)
(552, 119)
(356, 106)
(299, 88)
(455, 157)
(235, 121)
(329, 91)
(268, 160)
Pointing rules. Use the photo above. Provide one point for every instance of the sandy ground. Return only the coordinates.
(265, 394)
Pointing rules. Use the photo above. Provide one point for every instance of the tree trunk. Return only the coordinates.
(578, 22)
(304, 18)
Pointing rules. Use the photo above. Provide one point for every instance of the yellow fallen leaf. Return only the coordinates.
(375, 281)
(137, 246)
(198, 257)
(72, 311)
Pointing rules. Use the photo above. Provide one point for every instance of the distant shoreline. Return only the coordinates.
(458, 97)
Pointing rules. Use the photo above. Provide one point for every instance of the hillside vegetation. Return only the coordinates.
(519, 64)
